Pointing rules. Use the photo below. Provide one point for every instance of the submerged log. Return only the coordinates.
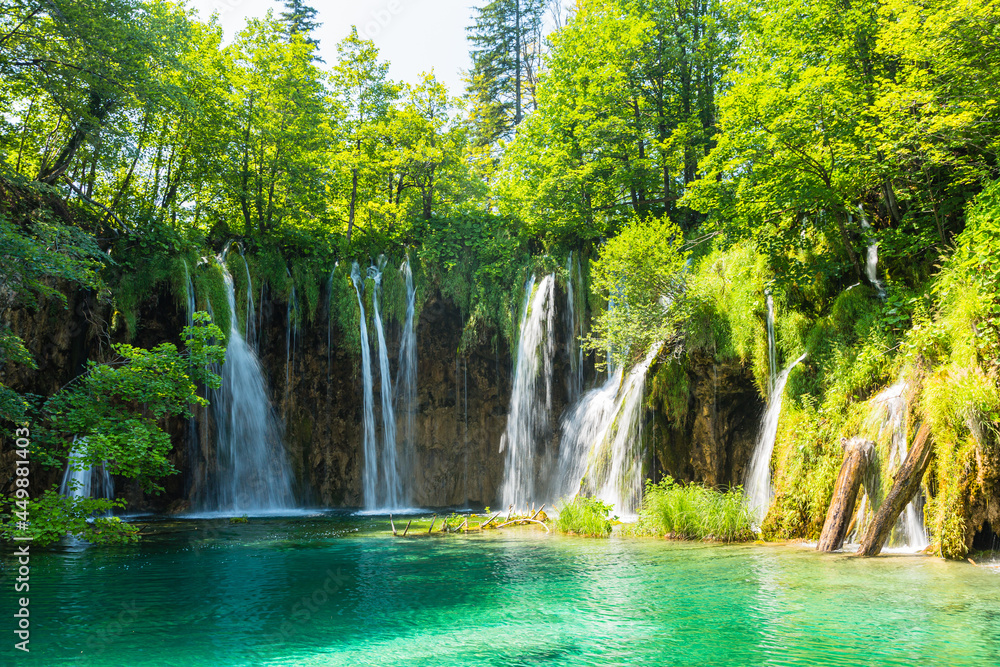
(845, 494)
(904, 486)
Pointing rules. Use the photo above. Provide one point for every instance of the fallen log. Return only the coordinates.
(432, 523)
(392, 524)
(535, 514)
(857, 453)
(489, 521)
(519, 521)
(407, 527)
(905, 484)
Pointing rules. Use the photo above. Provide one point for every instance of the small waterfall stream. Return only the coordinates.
(909, 532)
(252, 471)
(368, 447)
(406, 382)
(82, 480)
(391, 491)
(528, 417)
(758, 478)
(871, 256)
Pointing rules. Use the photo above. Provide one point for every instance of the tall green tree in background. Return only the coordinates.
(365, 94)
(300, 21)
(626, 108)
(506, 62)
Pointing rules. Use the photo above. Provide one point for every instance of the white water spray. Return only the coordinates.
(391, 488)
(528, 418)
(83, 480)
(406, 382)
(758, 478)
(370, 469)
(252, 471)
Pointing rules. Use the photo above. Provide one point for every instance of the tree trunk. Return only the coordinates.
(856, 456)
(904, 486)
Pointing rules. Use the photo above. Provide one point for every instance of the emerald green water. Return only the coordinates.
(335, 590)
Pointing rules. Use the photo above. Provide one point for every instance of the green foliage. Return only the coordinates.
(210, 288)
(694, 512)
(481, 266)
(585, 516)
(114, 411)
(639, 271)
(724, 309)
(53, 516)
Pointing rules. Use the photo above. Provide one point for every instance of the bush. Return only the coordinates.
(585, 516)
(694, 512)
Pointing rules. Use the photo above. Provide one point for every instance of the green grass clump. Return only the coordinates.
(585, 516)
(694, 512)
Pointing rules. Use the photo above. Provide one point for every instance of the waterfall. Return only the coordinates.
(573, 331)
(82, 480)
(391, 492)
(871, 258)
(758, 478)
(772, 354)
(406, 380)
(370, 470)
(614, 467)
(528, 416)
(585, 424)
(910, 531)
(252, 472)
(250, 333)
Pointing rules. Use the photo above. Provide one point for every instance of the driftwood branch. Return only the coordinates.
(432, 523)
(535, 515)
(857, 453)
(905, 485)
(517, 521)
(407, 527)
(489, 521)
(392, 524)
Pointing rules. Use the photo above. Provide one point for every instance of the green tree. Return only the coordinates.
(506, 53)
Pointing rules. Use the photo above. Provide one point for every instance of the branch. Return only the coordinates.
(87, 199)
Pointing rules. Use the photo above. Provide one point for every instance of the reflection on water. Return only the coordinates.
(337, 590)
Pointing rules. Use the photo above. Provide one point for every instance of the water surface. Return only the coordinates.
(336, 590)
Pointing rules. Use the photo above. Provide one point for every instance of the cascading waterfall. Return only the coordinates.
(772, 354)
(614, 464)
(758, 479)
(871, 258)
(391, 491)
(369, 479)
(82, 480)
(252, 472)
(573, 332)
(585, 424)
(406, 381)
(528, 417)
(910, 531)
(250, 332)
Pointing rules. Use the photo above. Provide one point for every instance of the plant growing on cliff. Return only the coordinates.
(114, 413)
(640, 273)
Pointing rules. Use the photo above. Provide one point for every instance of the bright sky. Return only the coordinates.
(413, 35)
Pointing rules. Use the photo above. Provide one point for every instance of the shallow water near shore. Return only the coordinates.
(337, 589)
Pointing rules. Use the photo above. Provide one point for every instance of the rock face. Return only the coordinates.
(714, 438)
(315, 387)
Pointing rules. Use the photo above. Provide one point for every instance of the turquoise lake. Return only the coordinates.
(339, 590)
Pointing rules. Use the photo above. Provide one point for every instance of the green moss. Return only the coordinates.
(210, 288)
(140, 277)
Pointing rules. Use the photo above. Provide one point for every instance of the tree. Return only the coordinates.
(365, 95)
(300, 20)
(506, 61)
